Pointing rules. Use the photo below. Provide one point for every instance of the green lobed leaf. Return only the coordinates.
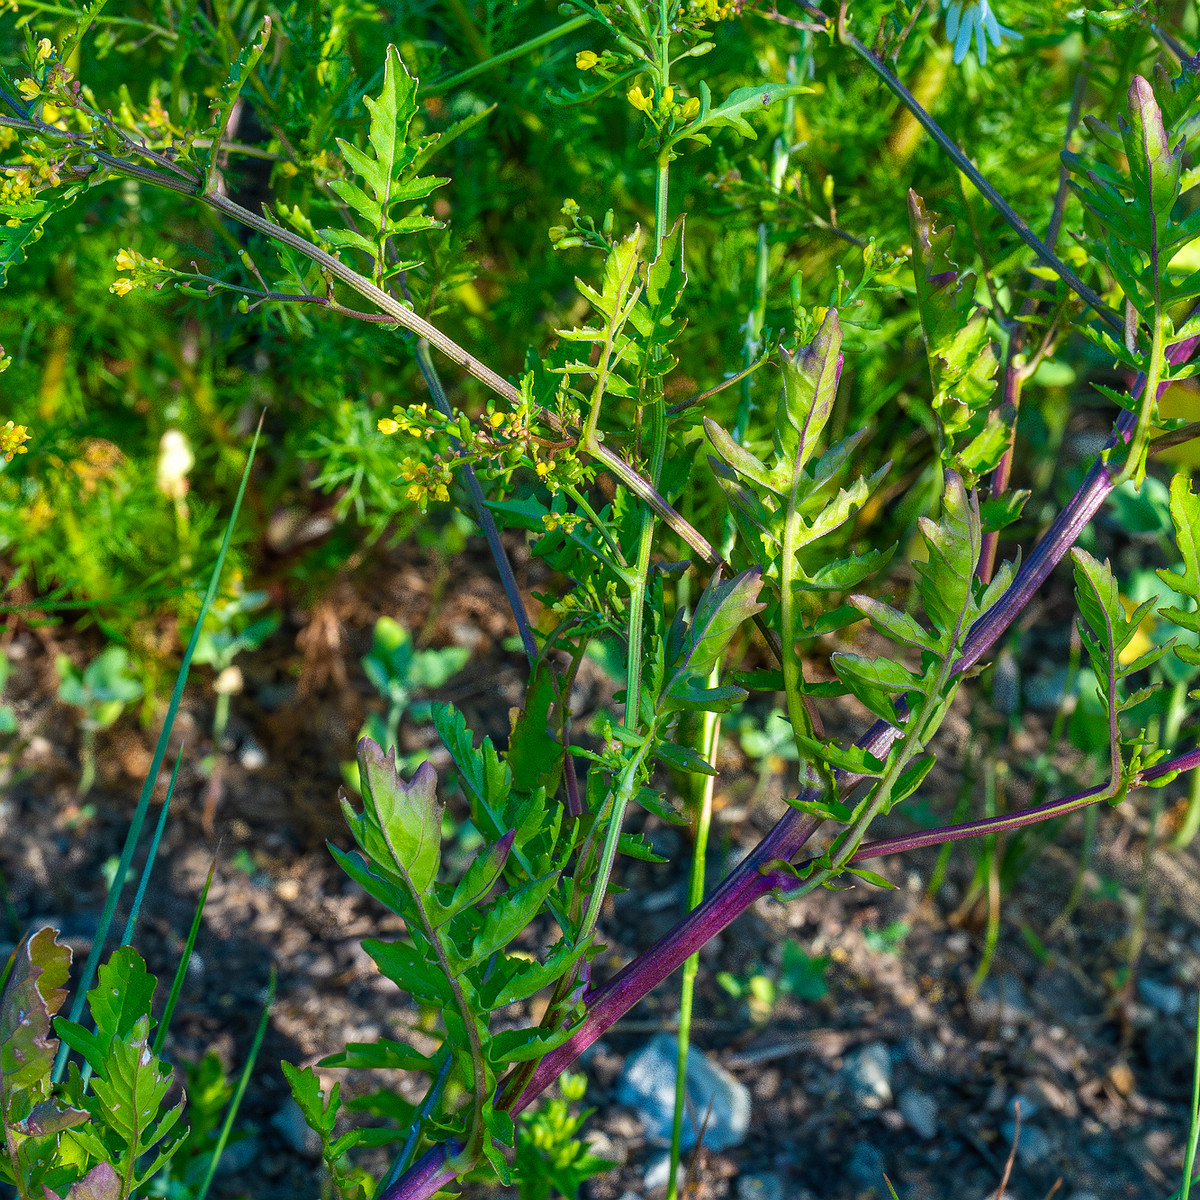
(383, 1055)
(320, 1111)
(1185, 514)
(401, 825)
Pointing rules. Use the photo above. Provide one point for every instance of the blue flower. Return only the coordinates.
(973, 21)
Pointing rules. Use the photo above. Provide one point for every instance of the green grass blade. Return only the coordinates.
(135, 826)
(139, 895)
(1194, 1132)
(186, 958)
(231, 1112)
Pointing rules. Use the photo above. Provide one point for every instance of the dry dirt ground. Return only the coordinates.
(1100, 1060)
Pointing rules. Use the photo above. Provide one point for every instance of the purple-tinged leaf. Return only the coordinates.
(101, 1183)
(401, 824)
(34, 993)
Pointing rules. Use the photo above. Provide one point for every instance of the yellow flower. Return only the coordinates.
(11, 437)
(122, 286)
(44, 49)
(689, 109)
(639, 99)
(441, 492)
(496, 420)
(387, 425)
(29, 88)
(819, 314)
(585, 60)
(667, 96)
(543, 469)
(126, 260)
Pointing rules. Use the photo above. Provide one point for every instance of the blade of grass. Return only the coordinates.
(184, 961)
(1189, 1160)
(139, 895)
(236, 1100)
(135, 826)
(131, 923)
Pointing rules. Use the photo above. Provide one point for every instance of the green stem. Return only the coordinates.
(641, 572)
(1135, 461)
(710, 736)
(1191, 819)
(498, 60)
(620, 801)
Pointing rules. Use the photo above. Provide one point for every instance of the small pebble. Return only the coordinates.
(658, 1171)
(648, 1085)
(868, 1073)
(1162, 997)
(920, 1110)
(252, 756)
(1033, 1146)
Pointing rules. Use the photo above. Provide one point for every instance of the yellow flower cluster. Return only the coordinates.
(425, 481)
(564, 521)
(15, 188)
(12, 439)
(144, 271)
(412, 420)
(666, 106)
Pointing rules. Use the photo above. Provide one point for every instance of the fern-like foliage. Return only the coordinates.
(454, 956)
(783, 508)
(391, 171)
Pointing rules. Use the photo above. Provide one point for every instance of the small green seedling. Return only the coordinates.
(230, 629)
(398, 672)
(100, 691)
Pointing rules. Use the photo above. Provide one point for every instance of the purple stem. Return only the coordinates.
(1029, 816)
(753, 879)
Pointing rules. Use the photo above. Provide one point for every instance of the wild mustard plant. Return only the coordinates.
(596, 448)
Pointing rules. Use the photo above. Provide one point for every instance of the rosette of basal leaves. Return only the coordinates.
(390, 168)
(920, 669)
(453, 958)
(782, 510)
(1107, 631)
(1130, 186)
(962, 358)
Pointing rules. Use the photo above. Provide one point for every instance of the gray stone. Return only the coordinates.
(648, 1085)
(868, 1074)
(762, 1186)
(289, 1123)
(1033, 1146)
(252, 756)
(865, 1167)
(1162, 997)
(920, 1110)
(658, 1172)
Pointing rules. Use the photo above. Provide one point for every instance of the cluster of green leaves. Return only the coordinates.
(454, 957)
(97, 1138)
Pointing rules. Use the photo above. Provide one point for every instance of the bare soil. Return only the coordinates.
(1099, 1056)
